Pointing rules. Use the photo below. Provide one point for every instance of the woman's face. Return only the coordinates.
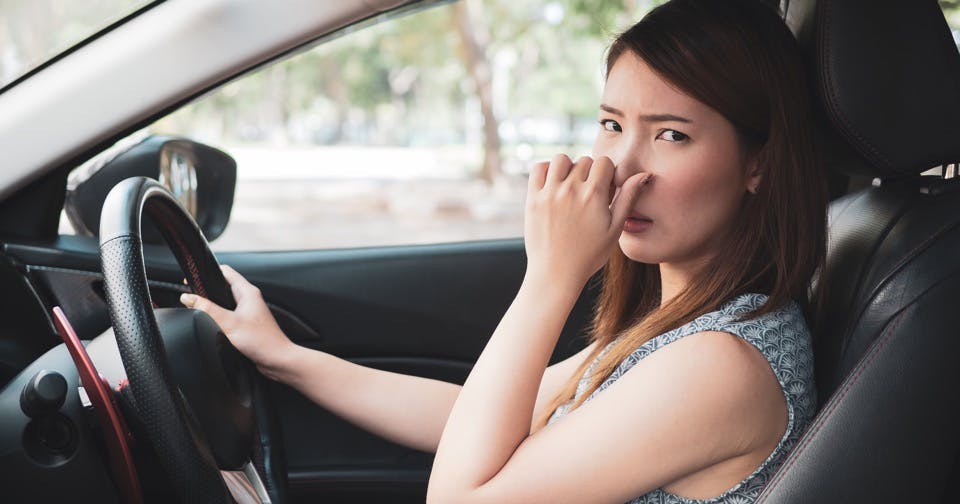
(700, 174)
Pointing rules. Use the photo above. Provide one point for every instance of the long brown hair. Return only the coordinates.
(739, 58)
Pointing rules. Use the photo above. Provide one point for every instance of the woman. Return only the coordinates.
(698, 379)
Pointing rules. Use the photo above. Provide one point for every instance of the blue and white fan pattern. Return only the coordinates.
(783, 338)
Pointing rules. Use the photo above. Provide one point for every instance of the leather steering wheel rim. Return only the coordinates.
(182, 451)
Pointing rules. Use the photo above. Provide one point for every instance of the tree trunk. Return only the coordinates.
(474, 38)
(274, 106)
(336, 90)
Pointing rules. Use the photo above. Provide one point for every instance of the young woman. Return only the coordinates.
(704, 201)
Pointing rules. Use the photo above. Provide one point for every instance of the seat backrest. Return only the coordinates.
(887, 350)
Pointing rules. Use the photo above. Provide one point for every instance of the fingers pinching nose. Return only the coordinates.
(559, 168)
(581, 168)
(538, 175)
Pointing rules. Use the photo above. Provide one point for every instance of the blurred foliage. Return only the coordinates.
(951, 10)
(404, 81)
(33, 31)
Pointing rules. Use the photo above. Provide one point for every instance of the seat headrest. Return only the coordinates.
(888, 77)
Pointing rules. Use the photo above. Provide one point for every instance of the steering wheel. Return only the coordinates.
(193, 393)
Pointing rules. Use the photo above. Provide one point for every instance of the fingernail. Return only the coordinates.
(188, 299)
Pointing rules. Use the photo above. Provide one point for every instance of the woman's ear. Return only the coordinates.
(754, 174)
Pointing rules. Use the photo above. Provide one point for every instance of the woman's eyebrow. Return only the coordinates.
(647, 117)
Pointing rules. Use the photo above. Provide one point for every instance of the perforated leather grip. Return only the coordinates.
(188, 463)
(122, 214)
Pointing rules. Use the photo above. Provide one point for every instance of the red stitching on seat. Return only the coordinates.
(834, 403)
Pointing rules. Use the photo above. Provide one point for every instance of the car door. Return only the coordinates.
(372, 220)
(421, 310)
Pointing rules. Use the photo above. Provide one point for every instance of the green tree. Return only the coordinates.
(399, 82)
(474, 41)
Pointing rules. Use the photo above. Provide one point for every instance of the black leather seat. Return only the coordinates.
(888, 347)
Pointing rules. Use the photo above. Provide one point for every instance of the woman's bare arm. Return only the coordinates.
(555, 377)
(407, 410)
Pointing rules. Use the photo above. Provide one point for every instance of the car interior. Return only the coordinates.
(886, 350)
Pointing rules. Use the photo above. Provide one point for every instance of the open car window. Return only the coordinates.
(413, 129)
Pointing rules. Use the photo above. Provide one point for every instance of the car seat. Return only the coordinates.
(887, 347)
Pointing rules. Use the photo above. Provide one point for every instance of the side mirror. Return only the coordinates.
(201, 177)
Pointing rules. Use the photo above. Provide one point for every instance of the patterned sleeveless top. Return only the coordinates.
(783, 338)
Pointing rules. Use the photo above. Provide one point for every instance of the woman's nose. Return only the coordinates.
(624, 152)
(625, 167)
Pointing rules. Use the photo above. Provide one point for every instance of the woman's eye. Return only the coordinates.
(672, 136)
(610, 125)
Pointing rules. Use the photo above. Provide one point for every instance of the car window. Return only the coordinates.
(34, 31)
(417, 129)
(951, 10)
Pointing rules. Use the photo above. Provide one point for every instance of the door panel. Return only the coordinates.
(424, 310)
(439, 301)
(421, 310)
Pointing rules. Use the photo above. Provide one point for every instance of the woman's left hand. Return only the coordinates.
(571, 224)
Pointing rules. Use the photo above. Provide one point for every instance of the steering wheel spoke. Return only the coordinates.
(246, 486)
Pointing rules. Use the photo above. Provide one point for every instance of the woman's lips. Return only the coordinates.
(637, 223)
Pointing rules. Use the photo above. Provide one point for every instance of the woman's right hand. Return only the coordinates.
(250, 327)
